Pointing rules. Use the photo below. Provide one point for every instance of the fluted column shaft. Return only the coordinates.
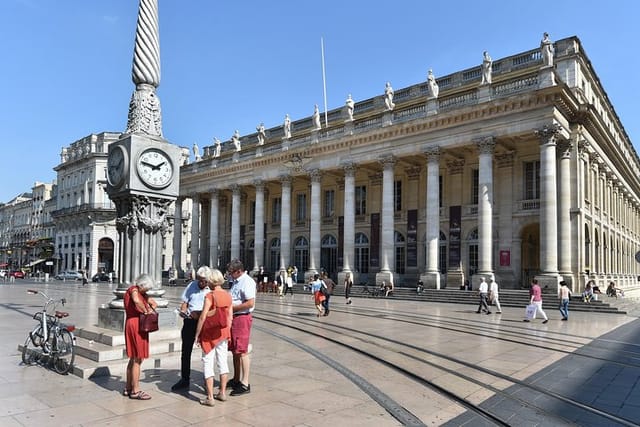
(177, 235)
(258, 238)
(387, 219)
(285, 224)
(214, 237)
(485, 206)
(235, 221)
(433, 210)
(564, 207)
(195, 231)
(349, 217)
(314, 232)
(548, 202)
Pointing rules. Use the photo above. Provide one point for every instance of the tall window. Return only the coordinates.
(276, 210)
(274, 255)
(401, 252)
(397, 196)
(252, 214)
(532, 180)
(301, 254)
(329, 203)
(301, 207)
(361, 200)
(474, 186)
(473, 252)
(329, 255)
(361, 253)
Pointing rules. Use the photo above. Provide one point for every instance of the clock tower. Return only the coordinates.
(142, 173)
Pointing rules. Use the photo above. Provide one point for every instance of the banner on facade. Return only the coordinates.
(374, 244)
(455, 218)
(412, 238)
(505, 258)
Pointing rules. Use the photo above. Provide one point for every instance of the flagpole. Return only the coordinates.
(324, 83)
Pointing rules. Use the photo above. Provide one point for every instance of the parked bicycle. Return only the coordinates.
(50, 339)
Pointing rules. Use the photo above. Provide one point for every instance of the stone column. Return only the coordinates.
(177, 236)
(195, 231)
(258, 238)
(285, 223)
(235, 221)
(548, 207)
(564, 216)
(431, 276)
(387, 264)
(349, 229)
(485, 209)
(214, 224)
(314, 232)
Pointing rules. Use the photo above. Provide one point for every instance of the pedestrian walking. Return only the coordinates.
(330, 287)
(483, 292)
(318, 295)
(565, 295)
(243, 294)
(494, 297)
(348, 284)
(190, 308)
(288, 285)
(84, 278)
(535, 294)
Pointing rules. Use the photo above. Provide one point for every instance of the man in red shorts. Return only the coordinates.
(243, 294)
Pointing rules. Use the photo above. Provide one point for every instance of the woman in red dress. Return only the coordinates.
(136, 301)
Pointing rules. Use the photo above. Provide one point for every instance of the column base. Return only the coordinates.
(384, 276)
(548, 282)
(455, 279)
(308, 275)
(430, 279)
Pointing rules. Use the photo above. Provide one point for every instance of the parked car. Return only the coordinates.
(69, 275)
(103, 277)
(17, 274)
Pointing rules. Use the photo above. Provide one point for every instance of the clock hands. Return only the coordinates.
(152, 166)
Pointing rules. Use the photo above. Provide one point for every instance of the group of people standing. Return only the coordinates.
(214, 319)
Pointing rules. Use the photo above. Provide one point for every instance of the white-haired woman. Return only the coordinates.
(136, 302)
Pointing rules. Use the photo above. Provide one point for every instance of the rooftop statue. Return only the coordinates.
(350, 104)
(196, 152)
(546, 50)
(316, 118)
(434, 90)
(287, 126)
(218, 147)
(236, 140)
(388, 97)
(487, 68)
(262, 134)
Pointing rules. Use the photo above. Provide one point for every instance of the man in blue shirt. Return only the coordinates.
(192, 303)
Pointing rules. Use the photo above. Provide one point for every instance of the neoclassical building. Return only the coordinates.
(516, 168)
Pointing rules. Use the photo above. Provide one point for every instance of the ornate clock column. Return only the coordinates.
(142, 173)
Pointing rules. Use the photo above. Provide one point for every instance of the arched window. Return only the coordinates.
(274, 255)
(329, 255)
(361, 263)
(401, 252)
(301, 254)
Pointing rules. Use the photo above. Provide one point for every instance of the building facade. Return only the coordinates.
(516, 168)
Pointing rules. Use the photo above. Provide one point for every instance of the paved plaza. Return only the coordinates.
(289, 386)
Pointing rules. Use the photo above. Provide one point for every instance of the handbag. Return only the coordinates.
(220, 319)
(530, 311)
(148, 322)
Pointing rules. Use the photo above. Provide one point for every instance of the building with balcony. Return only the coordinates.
(518, 170)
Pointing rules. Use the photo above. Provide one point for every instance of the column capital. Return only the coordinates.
(316, 175)
(432, 153)
(235, 189)
(565, 148)
(387, 161)
(349, 169)
(194, 196)
(214, 192)
(548, 134)
(259, 184)
(486, 145)
(286, 180)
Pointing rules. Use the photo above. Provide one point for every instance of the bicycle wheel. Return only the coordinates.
(30, 350)
(64, 352)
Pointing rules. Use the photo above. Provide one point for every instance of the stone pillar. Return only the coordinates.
(431, 276)
(195, 231)
(387, 264)
(485, 210)
(214, 226)
(314, 232)
(235, 221)
(285, 223)
(177, 236)
(258, 238)
(548, 207)
(349, 230)
(564, 215)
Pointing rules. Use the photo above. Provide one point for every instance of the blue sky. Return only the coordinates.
(226, 65)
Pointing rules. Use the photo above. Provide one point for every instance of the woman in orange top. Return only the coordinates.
(136, 301)
(213, 338)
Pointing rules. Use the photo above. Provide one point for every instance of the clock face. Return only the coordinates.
(116, 166)
(154, 168)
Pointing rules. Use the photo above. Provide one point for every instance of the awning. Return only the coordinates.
(31, 264)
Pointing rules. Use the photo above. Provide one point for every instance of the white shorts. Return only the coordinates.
(217, 356)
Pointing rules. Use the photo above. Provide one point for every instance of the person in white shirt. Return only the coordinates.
(483, 291)
(493, 294)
